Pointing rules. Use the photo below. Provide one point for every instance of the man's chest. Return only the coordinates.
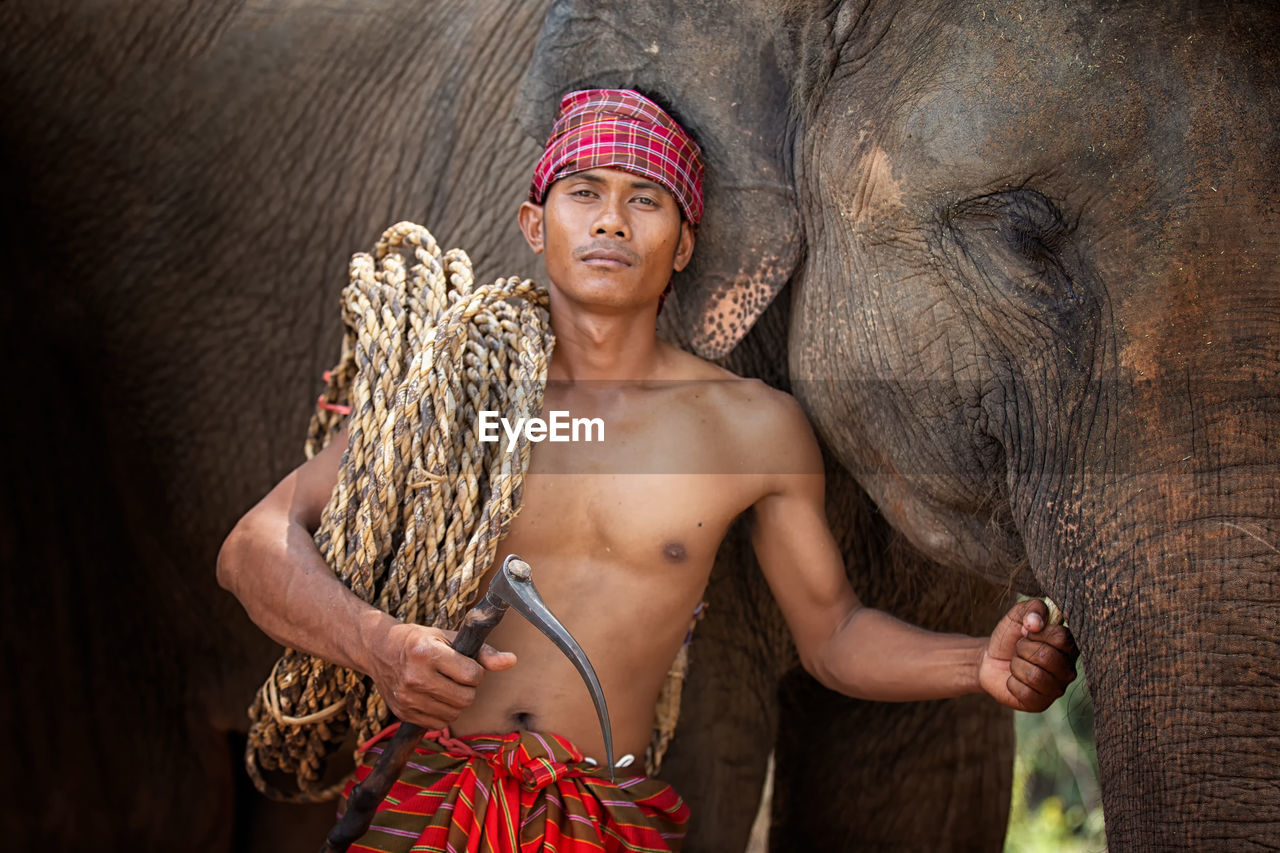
(637, 519)
(656, 482)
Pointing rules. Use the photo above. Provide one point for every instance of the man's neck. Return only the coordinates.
(595, 347)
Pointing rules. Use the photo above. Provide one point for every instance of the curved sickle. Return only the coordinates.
(514, 585)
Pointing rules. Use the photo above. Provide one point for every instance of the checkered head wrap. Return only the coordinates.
(621, 129)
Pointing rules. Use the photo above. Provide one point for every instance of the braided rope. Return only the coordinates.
(666, 714)
(420, 504)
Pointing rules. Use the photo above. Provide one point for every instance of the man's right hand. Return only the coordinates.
(270, 562)
(423, 680)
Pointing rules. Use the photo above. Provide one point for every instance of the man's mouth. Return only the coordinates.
(600, 256)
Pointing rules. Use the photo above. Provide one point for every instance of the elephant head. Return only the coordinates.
(1033, 257)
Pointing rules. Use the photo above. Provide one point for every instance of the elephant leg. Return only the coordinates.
(854, 775)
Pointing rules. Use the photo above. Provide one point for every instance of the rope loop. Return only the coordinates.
(420, 504)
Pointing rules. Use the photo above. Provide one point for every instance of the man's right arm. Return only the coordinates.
(867, 653)
(270, 563)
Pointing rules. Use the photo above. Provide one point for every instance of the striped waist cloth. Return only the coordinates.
(517, 793)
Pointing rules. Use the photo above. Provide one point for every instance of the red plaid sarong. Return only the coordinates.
(517, 793)
(621, 129)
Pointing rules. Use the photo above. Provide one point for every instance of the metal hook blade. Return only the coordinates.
(518, 591)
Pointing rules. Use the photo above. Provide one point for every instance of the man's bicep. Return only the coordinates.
(303, 493)
(801, 561)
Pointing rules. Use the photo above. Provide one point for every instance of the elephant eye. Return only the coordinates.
(1034, 228)
(1018, 236)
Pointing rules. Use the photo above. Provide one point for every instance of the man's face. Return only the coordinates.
(610, 238)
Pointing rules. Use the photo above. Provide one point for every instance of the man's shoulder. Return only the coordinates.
(744, 407)
(684, 365)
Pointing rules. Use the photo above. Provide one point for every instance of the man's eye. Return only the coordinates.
(585, 193)
(644, 199)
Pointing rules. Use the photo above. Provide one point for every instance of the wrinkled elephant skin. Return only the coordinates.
(1059, 312)
(184, 186)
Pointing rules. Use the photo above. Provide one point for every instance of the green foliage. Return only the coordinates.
(1057, 804)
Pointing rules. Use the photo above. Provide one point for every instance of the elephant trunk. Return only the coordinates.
(1177, 608)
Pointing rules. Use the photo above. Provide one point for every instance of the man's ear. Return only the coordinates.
(684, 250)
(530, 219)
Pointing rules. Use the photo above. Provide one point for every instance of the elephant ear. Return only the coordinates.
(717, 71)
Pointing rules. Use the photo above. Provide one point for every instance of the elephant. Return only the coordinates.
(870, 166)
(1030, 254)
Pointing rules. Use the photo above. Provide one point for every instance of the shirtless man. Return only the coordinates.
(622, 534)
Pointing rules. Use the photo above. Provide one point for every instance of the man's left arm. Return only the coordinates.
(866, 653)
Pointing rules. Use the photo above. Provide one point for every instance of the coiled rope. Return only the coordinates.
(420, 503)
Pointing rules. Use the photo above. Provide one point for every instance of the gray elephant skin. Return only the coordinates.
(1031, 252)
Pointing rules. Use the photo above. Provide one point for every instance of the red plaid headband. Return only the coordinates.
(621, 129)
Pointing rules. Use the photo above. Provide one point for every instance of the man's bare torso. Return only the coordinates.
(622, 536)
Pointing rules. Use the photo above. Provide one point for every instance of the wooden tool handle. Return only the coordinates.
(365, 797)
(477, 624)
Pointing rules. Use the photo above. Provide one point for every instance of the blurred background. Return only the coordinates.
(1057, 803)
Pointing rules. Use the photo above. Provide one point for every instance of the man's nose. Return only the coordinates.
(611, 221)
